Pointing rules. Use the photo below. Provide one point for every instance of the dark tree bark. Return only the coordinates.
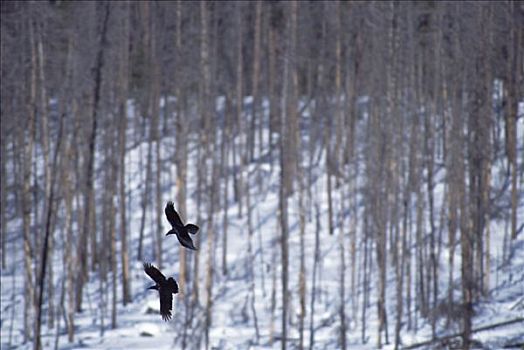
(89, 188)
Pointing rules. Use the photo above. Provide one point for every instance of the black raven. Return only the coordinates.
(179, 229)
(165, 288)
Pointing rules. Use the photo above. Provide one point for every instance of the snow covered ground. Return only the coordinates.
(139, 326)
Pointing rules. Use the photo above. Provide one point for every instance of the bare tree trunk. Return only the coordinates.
(207, 113)
(381, 261)
(112, 227)
(255, 81)
(66, 192)
(340, 119)
(401, 265)
(155, 130)
(428, 126)
(342, 285)
(339, 112)
(151, 108)
(483, 251)
(27, 144)
(238, 178)
(353, 224)
(181, 180)
(225, 144)
(44, 132)
(181, 169)
(316, 258)
(69, 262)
(3, 160)
(420, 276)
(329, 184)
(89, 188)
(283, 205)
(145, 197)
(3, 190)
(251, 256)
(272, 87)
(302, 270)
(365, 282)
(45, 247)
(273, 296)
(466, 248)
(284, 237)
(514, 71)
(108, 256)
(122, 140)
(453, 186)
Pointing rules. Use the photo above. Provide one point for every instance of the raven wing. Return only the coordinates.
(185, 240)
(172, 215)
(166, 304)
(192, 228)
(154, 273)
(172, 285)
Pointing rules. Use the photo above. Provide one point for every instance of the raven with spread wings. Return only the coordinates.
(165, 287)
(178, 228)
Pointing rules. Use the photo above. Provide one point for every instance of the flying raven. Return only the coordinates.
(165, 288)
(179, 229)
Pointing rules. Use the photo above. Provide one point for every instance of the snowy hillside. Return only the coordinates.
(235, 303)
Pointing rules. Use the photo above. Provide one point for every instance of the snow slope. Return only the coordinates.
(140, 326)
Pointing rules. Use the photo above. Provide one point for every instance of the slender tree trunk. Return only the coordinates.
(487, 148)
(89, 185)
(302, 270)
(27, 144)
(284, 277)
(453, 185)
(239, 187)
(340, 119)
(466, 249)
(122, 140)
(273, 296)
(353, 224)
(69, 262)
(365, 282)
(339, 112)
(401, 266)
(429, 169)
(181, 162)
(316, 258)
(208, 113)
(4, 141)
(381, 261)
(255, 81)
(112, 224)
(211, 251)
(155, 130)
(181, 180)
(44, 132)
(514, 71)
(3, 190)
(272, 88)
(251, 257)
(45, 247)
(342, 285)
(225, 144)
(145, 197)
(283, 205)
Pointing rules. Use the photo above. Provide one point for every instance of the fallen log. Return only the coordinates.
(455, 335)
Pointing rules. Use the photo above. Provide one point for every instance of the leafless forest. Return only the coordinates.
(392, 127)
